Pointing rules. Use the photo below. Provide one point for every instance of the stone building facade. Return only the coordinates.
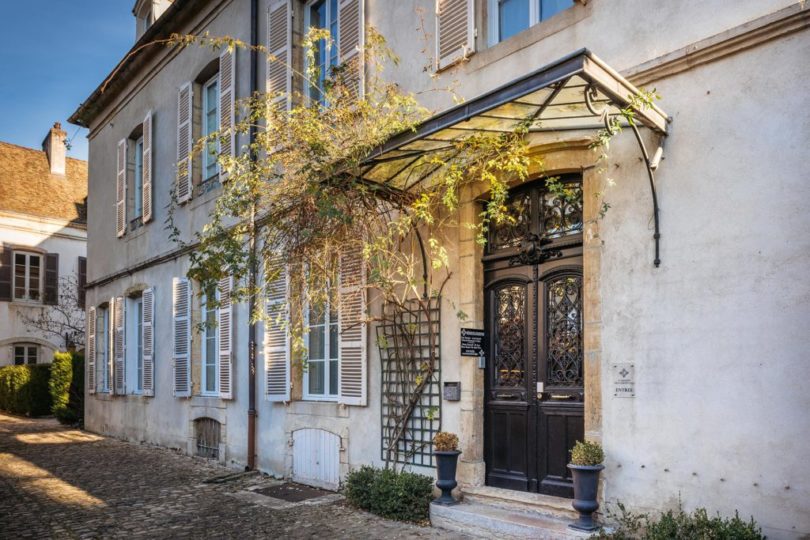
(686, 371)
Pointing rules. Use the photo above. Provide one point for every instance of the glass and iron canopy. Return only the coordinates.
(572, 93)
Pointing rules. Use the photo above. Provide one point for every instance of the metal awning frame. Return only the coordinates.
(603, 94)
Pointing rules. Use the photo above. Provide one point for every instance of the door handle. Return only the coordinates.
(505, 396)
(561, 396)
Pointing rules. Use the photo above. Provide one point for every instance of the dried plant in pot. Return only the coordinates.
(446, 452)
(586, 464)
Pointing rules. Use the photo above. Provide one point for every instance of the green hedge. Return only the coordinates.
(681, 525)
(24, 389)
(402, 496)
(67, 387)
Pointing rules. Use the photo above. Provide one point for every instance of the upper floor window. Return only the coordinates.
(138, 181)
(25, 353)
(510, 17)
(210, 124)
(321, 376)
(323, 14)
(27, 276)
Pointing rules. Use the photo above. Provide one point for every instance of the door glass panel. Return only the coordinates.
(562, 213)
(564, 316)
(510, 331)
(509, 234)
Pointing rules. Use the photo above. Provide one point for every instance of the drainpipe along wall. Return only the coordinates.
(254, 84)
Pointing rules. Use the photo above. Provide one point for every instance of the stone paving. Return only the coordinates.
(65, 483)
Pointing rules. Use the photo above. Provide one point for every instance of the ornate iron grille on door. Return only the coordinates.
(409, 347)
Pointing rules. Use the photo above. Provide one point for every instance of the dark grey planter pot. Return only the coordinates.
(586, 485)
(446, 464)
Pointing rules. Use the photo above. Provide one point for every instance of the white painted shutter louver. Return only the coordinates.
(181, 314)
(185, 109)
(279, 40)
(148, 342)
(121, 189)
(455, 31)
(352, 293)
(277, 339)
(119, 346)
(227, 84)
(225, 327)
(146, 172)
(351, 41)
(90, 350)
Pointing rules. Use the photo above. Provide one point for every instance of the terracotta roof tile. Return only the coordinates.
(28, 187)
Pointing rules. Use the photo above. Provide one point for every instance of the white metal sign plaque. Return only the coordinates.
(624, 380)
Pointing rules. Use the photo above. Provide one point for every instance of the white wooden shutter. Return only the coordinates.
(121, 189)
(181, 314)
(119, 346)
(227, 92)
(352, 40)
(279, 43)
(185, 110)
(455, 31)
(225, 326)
(277, 338)
(352, 311)
(148, 341)
(146, 171)
(90, 350)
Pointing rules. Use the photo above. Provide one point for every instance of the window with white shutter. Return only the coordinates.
(352, 313)
(455, 31)
(90, 352)
(146, 169)
(225, 326)
(277, 337)
(351, 30)
(185, 109)
(227, 92)
(181, 321)
(148, 341)
(279, 44)
(121, 189)
(119, 345)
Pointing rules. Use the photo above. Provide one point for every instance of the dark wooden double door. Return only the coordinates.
(534, 395)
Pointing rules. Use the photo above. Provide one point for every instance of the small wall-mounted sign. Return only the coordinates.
(624, 380)
(472, 342)
(452, 391)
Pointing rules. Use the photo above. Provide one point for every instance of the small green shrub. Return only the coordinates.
(24, 389)
(403, 496)
(587, 453)
(680, 525)
(67, 387)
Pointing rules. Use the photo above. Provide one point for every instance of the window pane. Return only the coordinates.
(139, 337)
(316, 343)
(333, 377)
(33, 277)
(32, 355)
(513, 17)
(210, 125)
(139, 178)
(333, 340)
(549, 8)
(19, 355)
(316, 378)
(19, 275)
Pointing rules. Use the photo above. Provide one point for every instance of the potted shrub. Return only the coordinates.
(446, 452)
(586, 464)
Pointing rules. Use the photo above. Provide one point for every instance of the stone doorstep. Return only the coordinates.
(488, 521)
(521, 501)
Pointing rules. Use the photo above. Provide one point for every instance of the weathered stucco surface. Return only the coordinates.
(718, 333)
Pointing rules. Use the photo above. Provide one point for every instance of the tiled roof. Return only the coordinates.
(28, 187)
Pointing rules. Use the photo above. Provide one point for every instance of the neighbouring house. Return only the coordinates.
(677, 336)
(43, 243)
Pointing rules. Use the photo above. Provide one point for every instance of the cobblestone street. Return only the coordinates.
(64, 483)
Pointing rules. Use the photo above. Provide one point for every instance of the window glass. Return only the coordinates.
(102, 349)
(209, 348)
(323, 14)
(27, 276)
(139, 338)
(19, 355)
(549, 8)
(513, 17)
(139, 178)
(210, 124)
(322, 348)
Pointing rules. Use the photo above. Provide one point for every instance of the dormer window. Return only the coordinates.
(146, 13)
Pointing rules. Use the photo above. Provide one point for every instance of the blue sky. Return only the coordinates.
(53, 54)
